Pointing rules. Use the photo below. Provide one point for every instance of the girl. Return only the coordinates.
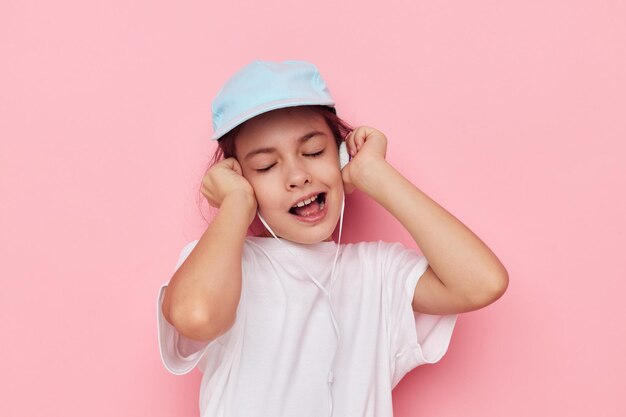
(288, 322)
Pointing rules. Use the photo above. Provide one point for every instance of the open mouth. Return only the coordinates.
(312, 208)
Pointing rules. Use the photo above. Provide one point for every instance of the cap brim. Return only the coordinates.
(264, 108)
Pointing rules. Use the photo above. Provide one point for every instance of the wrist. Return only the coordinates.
(370, 175)
(240, 201)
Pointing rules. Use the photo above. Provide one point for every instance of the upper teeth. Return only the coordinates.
(305, 202)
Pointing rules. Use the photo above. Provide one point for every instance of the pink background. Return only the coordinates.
(511, 115)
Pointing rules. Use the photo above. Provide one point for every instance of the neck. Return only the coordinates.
(266, 233)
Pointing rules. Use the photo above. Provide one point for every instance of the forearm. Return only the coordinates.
(460, 259)
(203, 294)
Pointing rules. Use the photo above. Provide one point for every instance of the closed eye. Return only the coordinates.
(315, 154)
(265, 169)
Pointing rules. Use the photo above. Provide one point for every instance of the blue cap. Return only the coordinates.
(262, 86)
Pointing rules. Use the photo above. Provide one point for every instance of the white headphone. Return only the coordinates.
(344, 157)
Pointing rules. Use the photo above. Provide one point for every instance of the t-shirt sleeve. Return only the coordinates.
(180, 354)
(415, 338)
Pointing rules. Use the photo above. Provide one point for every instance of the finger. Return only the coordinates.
(229, 163)
(350, 143)
(237, 167)
(233, 165)
(362, 135)
(354, 140)
(359, 139)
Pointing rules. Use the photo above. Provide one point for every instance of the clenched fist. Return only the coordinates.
(225, 179)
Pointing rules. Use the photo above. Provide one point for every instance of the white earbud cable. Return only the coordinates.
(331, 376)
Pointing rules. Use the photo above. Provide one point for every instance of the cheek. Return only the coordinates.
(337, 181)
(333, 174)
(264, 191)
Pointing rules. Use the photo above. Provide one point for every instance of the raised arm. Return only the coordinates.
(202, 297)
(463, 274)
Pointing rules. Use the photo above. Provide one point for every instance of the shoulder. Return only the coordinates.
(253, 245)
(378, 246)
(378, 251)
(386, 255)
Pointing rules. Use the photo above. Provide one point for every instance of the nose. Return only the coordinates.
(297, 175)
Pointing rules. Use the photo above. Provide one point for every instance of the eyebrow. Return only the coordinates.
(300, 140)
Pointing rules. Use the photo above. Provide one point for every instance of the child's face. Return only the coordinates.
(284, 169)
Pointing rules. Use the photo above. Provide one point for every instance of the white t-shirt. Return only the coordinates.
(277, 358)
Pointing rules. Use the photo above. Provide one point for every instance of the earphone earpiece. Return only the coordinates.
(344, 157)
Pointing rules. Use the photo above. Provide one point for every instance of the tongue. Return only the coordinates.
(308, 210)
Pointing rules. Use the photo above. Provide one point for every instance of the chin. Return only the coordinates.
(306, 235)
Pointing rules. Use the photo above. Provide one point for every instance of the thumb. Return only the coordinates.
(233, 164)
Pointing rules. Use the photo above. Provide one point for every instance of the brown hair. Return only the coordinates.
(226, 144)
